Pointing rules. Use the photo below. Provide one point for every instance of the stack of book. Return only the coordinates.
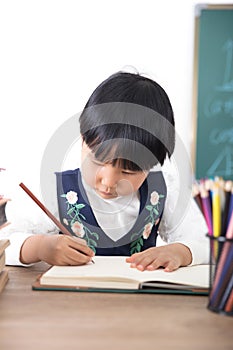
(215, 200)
(3, 273)
(3, 242)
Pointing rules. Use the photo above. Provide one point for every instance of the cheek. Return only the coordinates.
(127, 186)
(124, 187)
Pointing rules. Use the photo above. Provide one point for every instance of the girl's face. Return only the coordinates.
(107, 180)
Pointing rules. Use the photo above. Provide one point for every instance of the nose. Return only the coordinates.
(109, 176)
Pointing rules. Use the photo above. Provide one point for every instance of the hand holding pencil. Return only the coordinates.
(54, 249)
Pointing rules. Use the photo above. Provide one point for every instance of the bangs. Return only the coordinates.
(124, 153)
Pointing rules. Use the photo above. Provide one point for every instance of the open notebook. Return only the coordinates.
(113, 274)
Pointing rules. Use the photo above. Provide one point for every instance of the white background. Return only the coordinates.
(55, 52)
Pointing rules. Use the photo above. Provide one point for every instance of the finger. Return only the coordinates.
(132, 257)
(75, 257)
(84, 249)
(142, 262)
(171, 266)
(156, 264)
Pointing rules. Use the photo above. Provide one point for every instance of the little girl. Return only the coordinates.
(120, 200)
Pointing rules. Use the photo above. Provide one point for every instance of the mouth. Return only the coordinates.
(107, 194)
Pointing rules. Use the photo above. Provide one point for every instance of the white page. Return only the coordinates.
(115, 267)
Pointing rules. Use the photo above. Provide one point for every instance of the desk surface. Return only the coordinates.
(68, 320)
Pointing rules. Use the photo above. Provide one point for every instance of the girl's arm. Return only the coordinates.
(183, 222)
(55, 250)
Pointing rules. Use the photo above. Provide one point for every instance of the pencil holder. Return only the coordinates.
(221, 275)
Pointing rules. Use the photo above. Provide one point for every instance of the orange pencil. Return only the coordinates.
(229, 303)
(47, 212)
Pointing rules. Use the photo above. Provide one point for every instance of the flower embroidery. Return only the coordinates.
(154, 198)
(75, 219)
(152, 219)
(71, 197)
(154, 207)
(78, 229)
(147, 230)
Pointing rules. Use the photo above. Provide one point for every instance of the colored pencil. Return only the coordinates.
(216, 212)
(230, 209)
(209, 185)
(196, 196)
(229, 303)
(229, 233)
(206, 208)
(227, 190)
(226, 294)
(47, 212)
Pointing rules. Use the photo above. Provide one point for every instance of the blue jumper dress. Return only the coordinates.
(77, 216)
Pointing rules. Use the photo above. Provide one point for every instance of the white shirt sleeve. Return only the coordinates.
(182, 221)
(13, 250)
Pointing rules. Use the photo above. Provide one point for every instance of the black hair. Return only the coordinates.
(128, 120)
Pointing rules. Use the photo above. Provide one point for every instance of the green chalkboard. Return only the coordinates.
(213, 97)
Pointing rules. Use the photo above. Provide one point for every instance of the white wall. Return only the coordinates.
(55, 52)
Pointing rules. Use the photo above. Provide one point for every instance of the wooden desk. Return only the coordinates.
(64, 320)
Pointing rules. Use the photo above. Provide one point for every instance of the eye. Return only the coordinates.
(126, 172)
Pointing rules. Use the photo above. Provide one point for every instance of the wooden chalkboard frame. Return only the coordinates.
(198, 10)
